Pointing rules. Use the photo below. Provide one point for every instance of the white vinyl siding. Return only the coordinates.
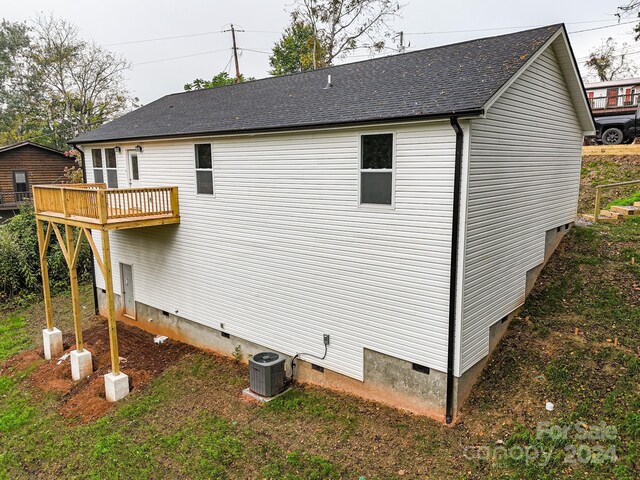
(523, 180)
(284, 253)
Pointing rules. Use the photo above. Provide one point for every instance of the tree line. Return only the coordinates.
(54, 84)
(321, 32)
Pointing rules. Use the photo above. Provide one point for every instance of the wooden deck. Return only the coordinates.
(96, 207)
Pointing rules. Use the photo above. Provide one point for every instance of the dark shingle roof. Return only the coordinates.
(435, 82)
(27, 143)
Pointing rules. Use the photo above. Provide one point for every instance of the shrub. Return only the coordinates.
(20, 263)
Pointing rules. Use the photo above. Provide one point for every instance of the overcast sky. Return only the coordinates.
(120, 25)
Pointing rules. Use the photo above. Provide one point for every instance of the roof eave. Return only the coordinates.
(468, 113)
(28, 143)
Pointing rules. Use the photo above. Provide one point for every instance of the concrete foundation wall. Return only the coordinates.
(465, 383)
(387, 379)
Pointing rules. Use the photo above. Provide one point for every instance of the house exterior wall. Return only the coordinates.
(283, 253)
(42, 166)
(625, 96)
(523, 181)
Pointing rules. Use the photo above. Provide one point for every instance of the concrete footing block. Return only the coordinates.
(81, 364)
(52, 343)
(116, 387)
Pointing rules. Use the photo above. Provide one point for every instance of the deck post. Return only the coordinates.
(44, 270)
(75, 293)
(116, 383)
(111, 307)
(596, 214)
(51, 336)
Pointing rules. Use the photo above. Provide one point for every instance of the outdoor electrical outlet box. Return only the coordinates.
(326, 338)
(266, 373)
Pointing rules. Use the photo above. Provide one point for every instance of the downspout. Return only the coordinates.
(453, 281)
(93, 265)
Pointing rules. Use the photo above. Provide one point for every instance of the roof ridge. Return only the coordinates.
(423, 83)
(473, 40)
(24, 143)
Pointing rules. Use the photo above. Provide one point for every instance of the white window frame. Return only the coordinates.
(213, 177)
(101, 167)
(382, 170)
(107, 168)
(104, 168)
(128, 165)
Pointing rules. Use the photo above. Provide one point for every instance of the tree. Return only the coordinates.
(14, 50)
(341, 26)
(632, 8)
(218, 80)
(608, 62)
(62, 86)
(20, 260)
(295, 51)
(74, 174)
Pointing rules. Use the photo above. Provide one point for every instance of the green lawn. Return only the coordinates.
(192, 422)
(600, 170)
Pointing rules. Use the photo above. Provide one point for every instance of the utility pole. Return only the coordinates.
(235, 50)
(401, 47)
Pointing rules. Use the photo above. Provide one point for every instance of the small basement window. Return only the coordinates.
(204, 169)
(376, 169)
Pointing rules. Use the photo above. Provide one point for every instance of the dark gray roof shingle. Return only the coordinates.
(434, 82)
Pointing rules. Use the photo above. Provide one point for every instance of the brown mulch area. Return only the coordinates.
(84, 401)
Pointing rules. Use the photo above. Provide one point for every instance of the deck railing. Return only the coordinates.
(613, 102)
(10, 199)
(95, 201)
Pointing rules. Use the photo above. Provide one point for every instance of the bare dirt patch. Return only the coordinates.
(84, 401)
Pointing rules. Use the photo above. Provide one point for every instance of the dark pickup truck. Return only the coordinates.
(617, 129)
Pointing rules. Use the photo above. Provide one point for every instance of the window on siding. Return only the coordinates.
(204, 168)
(20, 185)
(376, 169)
(135, 174)
(98, 174)
(112, 167)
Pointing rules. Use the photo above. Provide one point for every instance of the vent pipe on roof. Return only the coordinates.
(329, 84)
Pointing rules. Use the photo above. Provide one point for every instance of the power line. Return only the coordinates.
(440, 32)
(227, 67)
(605, 26)
(160, 38)
(181, 56)
(254, 50)
(145, 40)
(214, 32)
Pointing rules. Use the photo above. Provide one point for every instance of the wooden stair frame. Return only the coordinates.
(614, 213)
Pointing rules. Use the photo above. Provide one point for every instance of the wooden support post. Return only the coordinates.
(75, 293)
(174, 202)
(111, 307)
(596, 214)
(43, 244)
